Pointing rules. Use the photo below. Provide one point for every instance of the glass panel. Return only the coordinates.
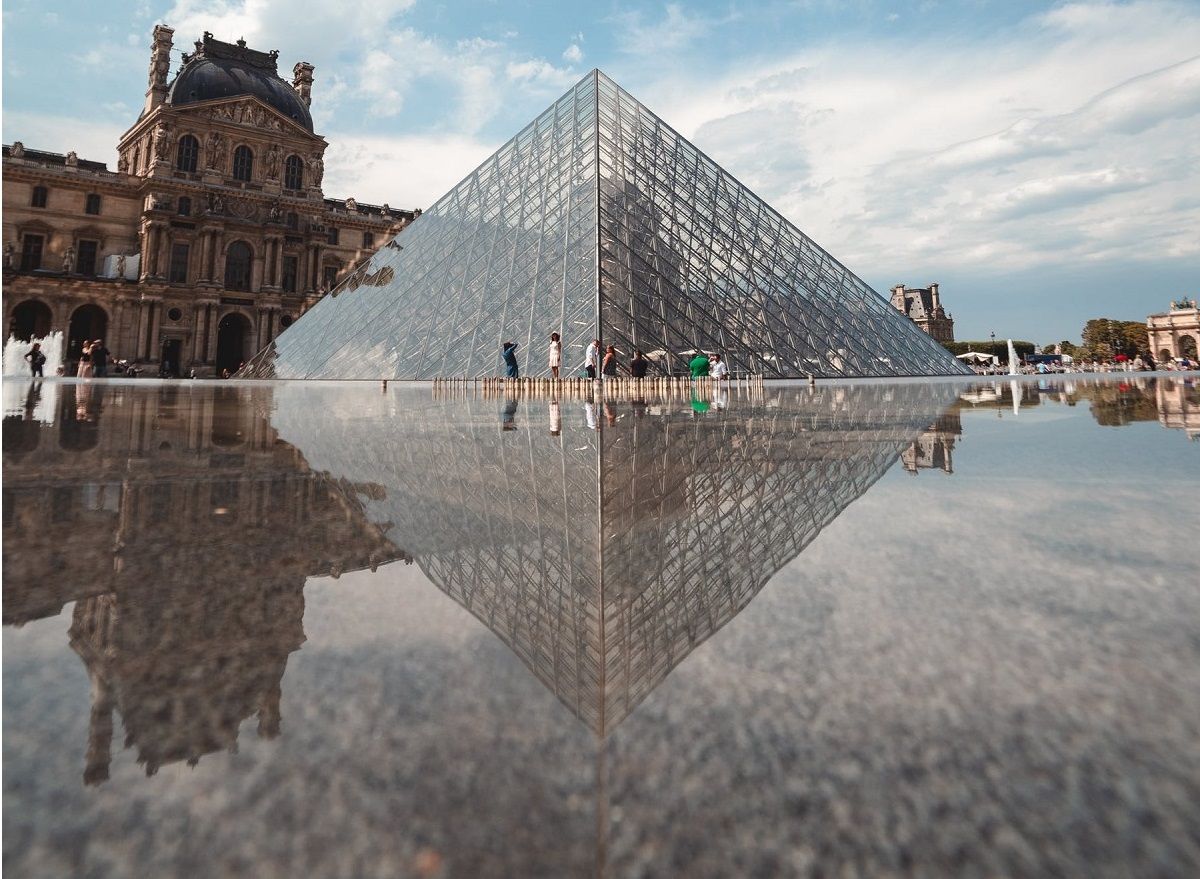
(688, 258)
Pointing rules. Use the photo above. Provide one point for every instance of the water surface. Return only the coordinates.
(310, 629)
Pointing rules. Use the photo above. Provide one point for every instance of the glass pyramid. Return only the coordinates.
(600, 221)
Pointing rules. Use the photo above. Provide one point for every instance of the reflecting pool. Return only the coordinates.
(863, 628)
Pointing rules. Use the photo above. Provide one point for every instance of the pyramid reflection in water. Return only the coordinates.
(604, 557)
(184, 525)
(598, 219)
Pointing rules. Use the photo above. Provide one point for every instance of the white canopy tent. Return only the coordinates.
(978, 357)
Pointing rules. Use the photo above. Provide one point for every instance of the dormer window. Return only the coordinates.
(187, 154)
(243, 163)
(293, 173)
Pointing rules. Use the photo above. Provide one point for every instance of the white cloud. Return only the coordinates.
(59, 134)
(404, 171)
(1071, 138)
(675, 30)
(573, 54)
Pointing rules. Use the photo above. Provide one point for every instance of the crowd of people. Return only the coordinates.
(608, 365)
(1139, 363)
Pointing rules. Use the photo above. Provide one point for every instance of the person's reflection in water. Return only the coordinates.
(508, 416)
(610, 413)
(555, 418)
(721, 396)
(32, 398)
(699, 406)
(589, 412)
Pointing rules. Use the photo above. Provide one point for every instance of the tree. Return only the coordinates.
(1104, 338)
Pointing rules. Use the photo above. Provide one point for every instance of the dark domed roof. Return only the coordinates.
(226, 70)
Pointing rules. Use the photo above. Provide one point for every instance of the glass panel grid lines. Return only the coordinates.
(599, 220)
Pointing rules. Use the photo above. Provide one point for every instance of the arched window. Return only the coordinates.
(187, 154)
(237, 266)
(39, 197)
(243, 163)
(185, 206)
(293, 173)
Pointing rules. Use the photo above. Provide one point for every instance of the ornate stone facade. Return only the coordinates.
(923, 306)
(1175, 333)
(209, 239)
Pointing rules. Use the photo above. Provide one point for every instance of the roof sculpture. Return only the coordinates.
(599, 220)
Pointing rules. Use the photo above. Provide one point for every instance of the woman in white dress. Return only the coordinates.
(555, 354)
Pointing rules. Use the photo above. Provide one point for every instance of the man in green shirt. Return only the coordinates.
(699, 365)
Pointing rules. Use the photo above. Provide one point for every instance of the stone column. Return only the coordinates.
(198, 323)
(212, 335)
(218, 274)
(143, 330)
(155, 326)
(162, 260)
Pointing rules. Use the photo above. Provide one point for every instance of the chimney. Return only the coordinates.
(302, 79)
(898, 299)
(937, 302)
(160, 66)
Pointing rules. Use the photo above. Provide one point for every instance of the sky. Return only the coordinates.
(1041, 161)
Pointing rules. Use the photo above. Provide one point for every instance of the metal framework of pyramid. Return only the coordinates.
(600, 221)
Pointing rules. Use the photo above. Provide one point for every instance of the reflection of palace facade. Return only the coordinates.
(934, 448)
(603, 558)
(183, 530)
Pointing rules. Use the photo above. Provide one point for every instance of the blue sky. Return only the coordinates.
(1040, 160)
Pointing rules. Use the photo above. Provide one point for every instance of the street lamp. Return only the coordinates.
(993, 345)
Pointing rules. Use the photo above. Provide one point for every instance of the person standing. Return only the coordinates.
(699, 365)
(637, 366)
(719, 369)
(84, 369)
(36, 360)
(555, 354)
(610, 362)
(591, 358)
(510, 360)
(100, 356)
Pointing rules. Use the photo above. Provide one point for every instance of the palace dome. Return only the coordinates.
(227, 70)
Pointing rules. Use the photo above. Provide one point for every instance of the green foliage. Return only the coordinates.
(1104, 338)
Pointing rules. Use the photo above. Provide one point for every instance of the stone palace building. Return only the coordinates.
(212, 235)
(923, 306)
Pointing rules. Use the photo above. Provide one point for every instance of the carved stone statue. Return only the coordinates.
(68, 259)
(10, 256)
(272, 162)
(72, 160)
(276, 212)
(18, 150)
(215, 205)
(162, 136)
(386, 209)
(351, 205)
(317, 164)
(123, 164)
(120, 265)
(214, 149)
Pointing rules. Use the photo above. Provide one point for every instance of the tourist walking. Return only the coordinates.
(555, 354)
(610, 361)
(637, 366)
(719, 369)
(84, 370)
(510, 360)
(36, 360)
(100, 356)
(699, 365)
(591, 358)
